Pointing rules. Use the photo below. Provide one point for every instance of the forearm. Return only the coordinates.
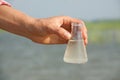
(14, 21)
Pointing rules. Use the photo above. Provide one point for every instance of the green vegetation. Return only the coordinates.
(103, 25)
(103, 31)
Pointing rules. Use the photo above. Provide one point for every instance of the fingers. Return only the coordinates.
(63, 33)
(66, 35)
(63, 28)
(84, 33)
(85, 37)
(68, 20)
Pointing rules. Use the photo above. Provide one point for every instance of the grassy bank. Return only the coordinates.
(103, 25)
(103, 31)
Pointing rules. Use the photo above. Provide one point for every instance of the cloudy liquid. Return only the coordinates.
(75, 52)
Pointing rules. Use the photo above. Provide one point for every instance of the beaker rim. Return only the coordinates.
(76, 24)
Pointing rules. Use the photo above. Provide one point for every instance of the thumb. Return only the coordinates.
(63, 33)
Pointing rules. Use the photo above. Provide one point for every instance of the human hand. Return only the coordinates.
(54, 30)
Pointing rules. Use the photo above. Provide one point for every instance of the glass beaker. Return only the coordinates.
(76, 50)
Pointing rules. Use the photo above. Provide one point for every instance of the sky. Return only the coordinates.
(83, 9)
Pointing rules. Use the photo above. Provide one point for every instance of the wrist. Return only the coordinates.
(36, 25)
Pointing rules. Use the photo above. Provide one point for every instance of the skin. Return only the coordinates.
(52, 30)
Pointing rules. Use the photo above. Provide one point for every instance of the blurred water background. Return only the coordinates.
(21, 59)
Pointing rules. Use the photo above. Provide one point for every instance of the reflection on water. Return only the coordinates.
(20, 59)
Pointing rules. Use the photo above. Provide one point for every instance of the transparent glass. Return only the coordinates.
(76, 50)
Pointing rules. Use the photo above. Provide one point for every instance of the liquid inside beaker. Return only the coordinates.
(75, 52)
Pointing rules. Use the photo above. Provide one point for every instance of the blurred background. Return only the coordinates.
(21, 59)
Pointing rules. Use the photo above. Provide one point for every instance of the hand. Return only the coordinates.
(54, 30)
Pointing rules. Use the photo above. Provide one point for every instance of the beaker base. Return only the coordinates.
(75, 61)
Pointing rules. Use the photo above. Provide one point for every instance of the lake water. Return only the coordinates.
(21, 59)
